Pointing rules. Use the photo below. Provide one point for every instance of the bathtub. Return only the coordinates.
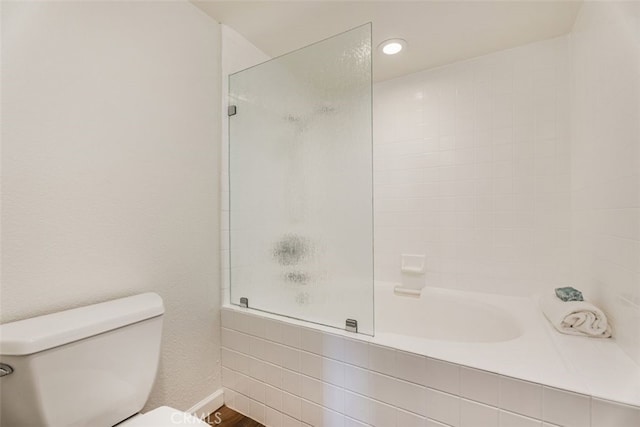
(501, 338)
(503, 334)
(443, 315)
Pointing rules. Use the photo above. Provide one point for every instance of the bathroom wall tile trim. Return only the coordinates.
(284, 375)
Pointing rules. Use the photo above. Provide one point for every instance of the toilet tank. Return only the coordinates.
(89, 366)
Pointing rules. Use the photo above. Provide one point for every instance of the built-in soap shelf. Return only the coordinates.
(412, 269)
(413, 264)
(406, 292)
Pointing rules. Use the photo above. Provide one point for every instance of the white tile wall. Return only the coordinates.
(471, 168)
(329, 390)
(605, 168)
(237, 54)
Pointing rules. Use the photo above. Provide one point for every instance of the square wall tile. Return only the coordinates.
(410, 396)
(333, 397)
(228, 339)
(333, 346)
(226, 319)
(229, 397)
(333, 372)
(272, 352)
(311, 364)
(273, 375)
(350, 422)
(411, 367)
(610, 414)
(316, 415)
(311, 340)
(255, 390)
(227, 358)
(473, 414)
(272, 417)
(443, 407)
(443, 376)
(255, 326)
(291, 405)
(311, 413)
(273, 397)
(236, 321)
(509, 419)
(357, 406)
(311, 390)
(356, 352)
(382, 359)
(291, 382)
(382, 415)
(356, 379)
(382, 388)
(257, 369)
(565, 408)
(255, 345)
(480, 386)
(242, 403)
(256, 411)
(272, 330)
(229, 379)
(409, 419)
(521, 397)
(288, 421)
(290, 358)
(291, 335)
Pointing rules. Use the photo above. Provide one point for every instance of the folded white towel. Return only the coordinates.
(575, 317)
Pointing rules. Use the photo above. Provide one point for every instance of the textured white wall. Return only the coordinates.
(471, 168)
(110, 170)
(606, 162)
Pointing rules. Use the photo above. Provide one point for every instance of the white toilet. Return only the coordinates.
(89, 366)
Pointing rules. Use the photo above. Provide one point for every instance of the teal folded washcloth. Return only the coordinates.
(569, 294)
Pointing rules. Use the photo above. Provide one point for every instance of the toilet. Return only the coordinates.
(88, 366)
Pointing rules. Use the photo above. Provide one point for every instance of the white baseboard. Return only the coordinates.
(208, 405)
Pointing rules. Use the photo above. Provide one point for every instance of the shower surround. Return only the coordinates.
(513, 173)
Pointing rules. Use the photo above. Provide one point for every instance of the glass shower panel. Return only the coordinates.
(300, 170)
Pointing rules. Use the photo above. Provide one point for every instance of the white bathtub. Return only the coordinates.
(506, 335)
(443, 315)
(501, 334)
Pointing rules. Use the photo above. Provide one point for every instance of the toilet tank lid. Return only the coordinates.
(52, 330)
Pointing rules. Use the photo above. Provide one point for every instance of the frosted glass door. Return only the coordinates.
(300, 170)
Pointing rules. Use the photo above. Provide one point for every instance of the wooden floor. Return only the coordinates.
(226, 417)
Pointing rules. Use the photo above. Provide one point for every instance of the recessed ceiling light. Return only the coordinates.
(392, 46)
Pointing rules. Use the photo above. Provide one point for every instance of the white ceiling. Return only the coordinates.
(437, 32)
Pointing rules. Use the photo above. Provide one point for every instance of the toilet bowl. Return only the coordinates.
(89, 366)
